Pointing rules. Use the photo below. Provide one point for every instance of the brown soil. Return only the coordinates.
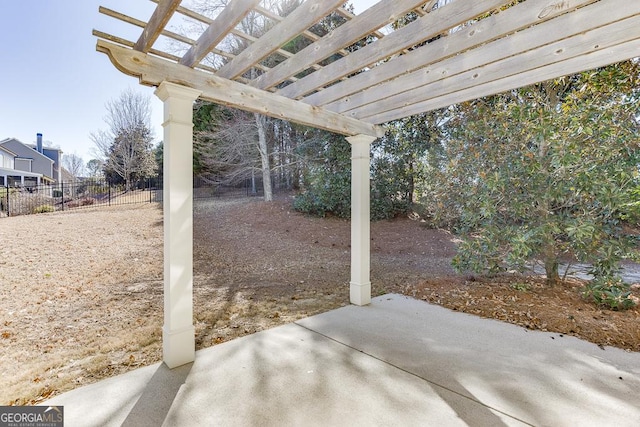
(81, 292)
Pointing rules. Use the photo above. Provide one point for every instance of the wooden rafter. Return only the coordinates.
(341, 37)
(214, 34)
(517, 53)
(417, 32)
(138, 23)
(465, 39)
(577, 64)
(579, 45)
(276, 18)
(303, 17)
(161, 16)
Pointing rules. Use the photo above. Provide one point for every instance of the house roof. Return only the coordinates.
(27, 152)
(6, 150)
(34, 146)
(366, 72)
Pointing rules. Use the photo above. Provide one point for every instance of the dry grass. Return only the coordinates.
(80, 294)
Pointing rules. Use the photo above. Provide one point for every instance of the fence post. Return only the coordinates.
(62, 193)
(109, 184)
(8, 198)
(149, 188)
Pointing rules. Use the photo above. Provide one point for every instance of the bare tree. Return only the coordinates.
(255, 127)
(263, 149)
(94, 168)
(228, 150)
(74, 164)
(126, 146)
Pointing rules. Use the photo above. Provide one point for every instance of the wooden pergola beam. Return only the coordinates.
(600, 24)
(494, 27)
(417, 32)
(303, 17)
(161, 16)
(343, 36)
(532, 61)
(216, 31)
(152, 71)
(577, 64)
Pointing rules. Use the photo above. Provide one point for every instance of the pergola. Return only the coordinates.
(452, 52)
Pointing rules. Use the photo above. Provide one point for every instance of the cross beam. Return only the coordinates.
(152, 71)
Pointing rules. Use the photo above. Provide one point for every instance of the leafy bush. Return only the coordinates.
(327, 182)
(42, 209)
(544, 171)
(389, 194)
(312, 204)
(630, 212)
(609, 292)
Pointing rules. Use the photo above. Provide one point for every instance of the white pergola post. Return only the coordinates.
(360, 286)
(178, 333)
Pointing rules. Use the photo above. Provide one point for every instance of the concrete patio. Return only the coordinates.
(398, 361)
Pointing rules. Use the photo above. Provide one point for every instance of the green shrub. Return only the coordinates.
(609, 292)
(630, 212)
(43, 209)
(519, 286)
(311, 204)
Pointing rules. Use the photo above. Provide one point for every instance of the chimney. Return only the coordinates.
(39, 143)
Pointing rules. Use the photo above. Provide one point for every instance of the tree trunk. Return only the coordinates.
(550, 257)
(264, 157)
(253, 182)
(412, 184)
(551, 265)
(551, 270)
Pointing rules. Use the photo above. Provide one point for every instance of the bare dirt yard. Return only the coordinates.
(81, 292)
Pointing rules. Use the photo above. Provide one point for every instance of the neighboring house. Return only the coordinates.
(6, 157)
(28, 165)
(12, 177)
(54, 154)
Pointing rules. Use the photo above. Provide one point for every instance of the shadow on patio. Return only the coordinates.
(398, 361)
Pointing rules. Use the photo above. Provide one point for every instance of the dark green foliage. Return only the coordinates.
(158, 155)
(396, 166)
(609, 292)
(542, 172)
(130, 157)
(327, 180)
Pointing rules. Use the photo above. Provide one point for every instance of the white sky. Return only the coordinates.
(54, 82)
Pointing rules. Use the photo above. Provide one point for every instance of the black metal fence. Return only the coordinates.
(86, 193)
(82, 193)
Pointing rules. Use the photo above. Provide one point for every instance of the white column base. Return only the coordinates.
(178, 347)
(360, 294)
